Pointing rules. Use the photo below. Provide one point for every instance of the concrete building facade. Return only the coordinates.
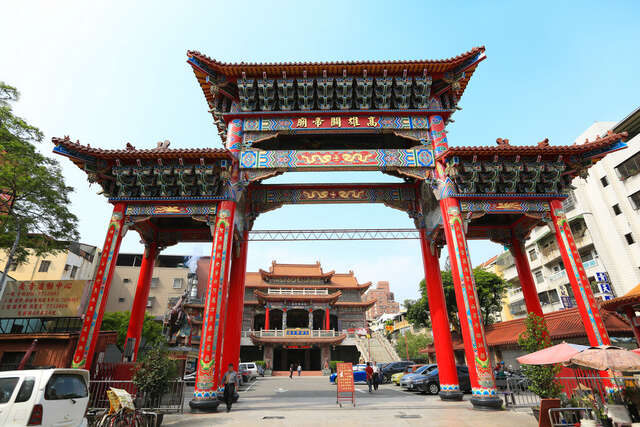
(169, 282)
(603, 211)
(384, 301)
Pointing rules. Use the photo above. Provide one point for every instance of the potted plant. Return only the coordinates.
(542, 378)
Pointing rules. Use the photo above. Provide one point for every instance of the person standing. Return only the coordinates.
(376, 375)
(291, 371)
(230, 381)
(299, 368)
(369, 371)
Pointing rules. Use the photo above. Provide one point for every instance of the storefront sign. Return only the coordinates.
(42, 298)
(297, 332)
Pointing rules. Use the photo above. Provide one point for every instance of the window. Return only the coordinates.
(629, 167)
(539, 276)
(126, 280)
(548, 297)
(533, 255)
(635, 200)
(67, 267)
(26, 389)
(74, 271)
(44, 266)
(604, 181)
(616, 209)
(177, 283)
(150, 302)
(65, 386)
(7, 385)
(154, 282)
(629, 238)
(120, 299)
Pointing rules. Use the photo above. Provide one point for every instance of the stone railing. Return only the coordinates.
(292, 333)
(289, 291)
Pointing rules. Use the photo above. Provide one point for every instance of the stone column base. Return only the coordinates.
(487, 403)
(453, 395)
(204, 405)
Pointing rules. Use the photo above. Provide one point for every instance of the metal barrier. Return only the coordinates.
(172, 401)
(517, 394)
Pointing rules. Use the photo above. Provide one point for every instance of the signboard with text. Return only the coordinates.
(344, 379)
(43, 298)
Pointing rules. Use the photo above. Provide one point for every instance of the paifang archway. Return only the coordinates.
(388, 116)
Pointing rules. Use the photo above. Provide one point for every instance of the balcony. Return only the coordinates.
(562, 274)
(590, 264)
(297, 336)
(291, 333)
(289, 291)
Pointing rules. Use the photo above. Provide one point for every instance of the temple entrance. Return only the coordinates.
(308, 357)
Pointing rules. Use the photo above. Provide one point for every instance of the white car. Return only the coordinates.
(251, 367)
(44, 397)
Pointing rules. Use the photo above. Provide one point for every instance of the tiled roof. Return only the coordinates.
(630, 298)
(133, 153)
(296, 68)
(534, 150)
(306, 270)
(562, 324)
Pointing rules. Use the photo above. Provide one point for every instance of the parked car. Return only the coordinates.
(407, 381)
(44, 397)
(251, 368)
(430, 383)
(359, 375)
(394, 368)
(243, 375)
(395, 378)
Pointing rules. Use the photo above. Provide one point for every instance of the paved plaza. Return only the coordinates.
(310, 401)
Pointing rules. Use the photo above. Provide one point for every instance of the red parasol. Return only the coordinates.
(558, 353)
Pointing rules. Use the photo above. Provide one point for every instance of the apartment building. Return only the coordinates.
(603, 212)
(169, 282)
(77, 262)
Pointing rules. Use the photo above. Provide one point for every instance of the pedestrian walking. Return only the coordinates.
(376, 375)
(291, 371)
(299, 368)
(369, 371)
(230, 381)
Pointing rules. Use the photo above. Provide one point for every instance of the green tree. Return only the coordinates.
(119, 321)
(34, 199)
(490, 288)
(543, 377)
(414, 343)
(153, 374)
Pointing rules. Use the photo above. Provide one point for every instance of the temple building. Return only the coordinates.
(384, 302)
(293, 313)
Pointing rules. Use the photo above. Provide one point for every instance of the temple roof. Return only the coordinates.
(562, 324)
(630, 299)
(275, 69)
(130, 152)
(542, 148)
(296, 270)
(265, 296)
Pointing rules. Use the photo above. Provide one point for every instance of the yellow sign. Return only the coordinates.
(389, 327)
(42, 298)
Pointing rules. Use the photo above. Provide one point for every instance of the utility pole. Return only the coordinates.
(12, 252)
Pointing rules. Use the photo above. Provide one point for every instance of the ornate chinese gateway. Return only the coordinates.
(388, 116)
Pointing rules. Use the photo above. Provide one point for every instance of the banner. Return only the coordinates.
(43, 298)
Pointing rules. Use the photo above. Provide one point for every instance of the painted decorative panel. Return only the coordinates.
(339, 122)
(503, 207)
(170, 210)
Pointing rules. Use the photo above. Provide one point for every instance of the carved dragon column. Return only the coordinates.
(449, 385)
(484, 393)
(83, 355)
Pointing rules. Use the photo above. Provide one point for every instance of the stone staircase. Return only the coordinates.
(381, 349)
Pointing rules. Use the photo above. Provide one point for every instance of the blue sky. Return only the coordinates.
(115, 72)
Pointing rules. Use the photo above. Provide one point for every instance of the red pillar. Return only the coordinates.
(483, 384)
(134, 331)
(205, 393)
(266, 318)
(527, 283)
(235, 308)
(631, 315)
(327, 321)
(83, 355)
(447, 374)
(581, 287)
